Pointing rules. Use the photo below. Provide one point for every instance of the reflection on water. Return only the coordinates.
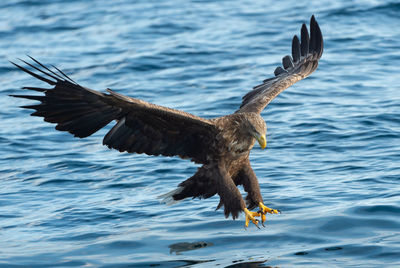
(177, 248)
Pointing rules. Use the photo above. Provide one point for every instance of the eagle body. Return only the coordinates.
(221, 145)
(231, 163)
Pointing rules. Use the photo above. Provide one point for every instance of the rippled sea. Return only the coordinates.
(332, 165)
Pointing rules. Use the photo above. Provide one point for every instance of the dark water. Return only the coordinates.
(331, 166)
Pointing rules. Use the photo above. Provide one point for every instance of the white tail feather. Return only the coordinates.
(168, 197)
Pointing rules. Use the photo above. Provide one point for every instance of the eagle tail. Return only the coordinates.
(78, 110)
(168, 198)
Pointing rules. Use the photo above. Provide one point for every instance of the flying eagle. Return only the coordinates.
(222, 145)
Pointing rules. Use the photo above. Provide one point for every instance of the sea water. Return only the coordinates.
(332, 164)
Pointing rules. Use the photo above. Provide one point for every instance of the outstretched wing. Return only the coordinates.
(141, 127)
(304, 61)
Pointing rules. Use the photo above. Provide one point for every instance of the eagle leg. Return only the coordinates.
(250, 217)
(264, 210)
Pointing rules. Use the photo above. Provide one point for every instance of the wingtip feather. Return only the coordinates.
(305, 40)
(306, 52)
(296, 50)
(287, 62)
(279, 70)
(33, 74)
(316, 40)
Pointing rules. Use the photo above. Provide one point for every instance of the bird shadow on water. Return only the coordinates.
(178, 248)
(181, 247)
(194, 263)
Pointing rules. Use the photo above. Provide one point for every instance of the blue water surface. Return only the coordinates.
(332, 165)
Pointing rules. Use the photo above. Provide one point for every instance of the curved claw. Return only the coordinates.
(263, 220)
(264, 210)
(250, 217)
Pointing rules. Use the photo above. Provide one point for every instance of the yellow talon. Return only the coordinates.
(264, 210)
(250, 217)
(263, 219)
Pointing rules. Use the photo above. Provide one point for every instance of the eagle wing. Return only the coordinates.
(141, 127)
(304, 61)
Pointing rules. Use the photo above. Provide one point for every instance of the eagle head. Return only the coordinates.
(256, 127)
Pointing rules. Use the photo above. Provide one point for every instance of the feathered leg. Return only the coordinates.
(230, 196)
(208, 181)
(248, 179)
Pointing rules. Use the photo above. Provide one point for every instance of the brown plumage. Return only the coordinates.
(222, 145)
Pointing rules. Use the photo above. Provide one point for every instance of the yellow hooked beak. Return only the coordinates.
(262, 140)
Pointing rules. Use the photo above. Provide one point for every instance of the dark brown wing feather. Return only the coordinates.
(156, 130)
(304, 61)
(141, 127)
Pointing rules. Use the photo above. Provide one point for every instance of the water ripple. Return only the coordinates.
(331, 165)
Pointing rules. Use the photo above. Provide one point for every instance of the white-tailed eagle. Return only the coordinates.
(222, 145)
